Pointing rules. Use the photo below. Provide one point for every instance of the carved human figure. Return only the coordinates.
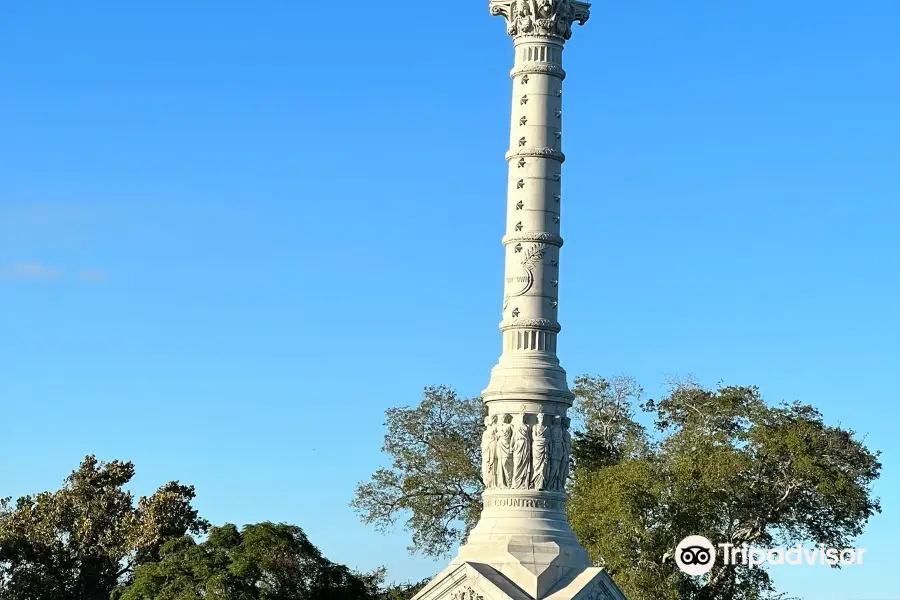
(489, 452)
(521, 453)
(556, 453)
(567, 453)
(540, 453)
(505, 452)
(545, 8)
(524, 16)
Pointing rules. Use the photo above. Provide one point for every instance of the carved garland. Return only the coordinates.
(545, 324)
(537, 153)
(538, 69)
(534, 236)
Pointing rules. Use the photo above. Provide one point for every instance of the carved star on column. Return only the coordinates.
(524, 100)
(525, 78)
(518, 248)
(557, 176)
(554, 262)
(519, 226)
(554, 304)
(558, 134)
(557, 198)
(520, 184)
(554, 282)
(559, 92)
(519, 205)
(521, 162)
(556, 218)
(558, 113)
(522, 142)
(523, 120)
(515, 312)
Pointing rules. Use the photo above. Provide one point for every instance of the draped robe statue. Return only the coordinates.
(566, 454)
(521, 453)
(489, 452)
(556, 453)
(505, 452)
(540, 453)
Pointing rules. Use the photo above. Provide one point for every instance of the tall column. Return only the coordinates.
(523, 542)
(529, 370)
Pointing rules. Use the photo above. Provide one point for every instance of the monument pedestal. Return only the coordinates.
(523, 547)
(465, 580)
(524, 535)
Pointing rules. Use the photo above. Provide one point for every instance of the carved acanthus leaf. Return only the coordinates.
(548, 18)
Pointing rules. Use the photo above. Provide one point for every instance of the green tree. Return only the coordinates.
(401, 591)
(265, 561)
(378, 590)
(83, 540)
(435, 478)
(718, 462)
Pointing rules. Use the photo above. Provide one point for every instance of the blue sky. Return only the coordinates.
(232, 234)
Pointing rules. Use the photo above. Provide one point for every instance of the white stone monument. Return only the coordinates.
(523, 547)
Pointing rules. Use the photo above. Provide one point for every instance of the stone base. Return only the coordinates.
(465, 580)
(522, 549)
(524, 536)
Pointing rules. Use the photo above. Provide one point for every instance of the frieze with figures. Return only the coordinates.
(519, 455)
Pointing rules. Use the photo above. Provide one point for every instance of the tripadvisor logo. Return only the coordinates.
(696, 555)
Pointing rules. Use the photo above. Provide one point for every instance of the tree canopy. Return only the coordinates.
(90, 540)
(435, 477)
(85, 539)
(719, 462)
(265, 561)
(715, 462)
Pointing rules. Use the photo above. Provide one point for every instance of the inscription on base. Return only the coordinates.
(524, 503)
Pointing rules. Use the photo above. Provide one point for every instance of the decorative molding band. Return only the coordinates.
(513, 502)
(545, 324)
(538, 69)
(548, 153)
(542, 237)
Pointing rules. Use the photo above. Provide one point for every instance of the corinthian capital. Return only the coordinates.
(551, 18)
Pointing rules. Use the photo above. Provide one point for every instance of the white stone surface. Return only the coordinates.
(523, 547)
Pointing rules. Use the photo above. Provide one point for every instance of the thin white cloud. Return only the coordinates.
(92, 275)
(30, 271)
